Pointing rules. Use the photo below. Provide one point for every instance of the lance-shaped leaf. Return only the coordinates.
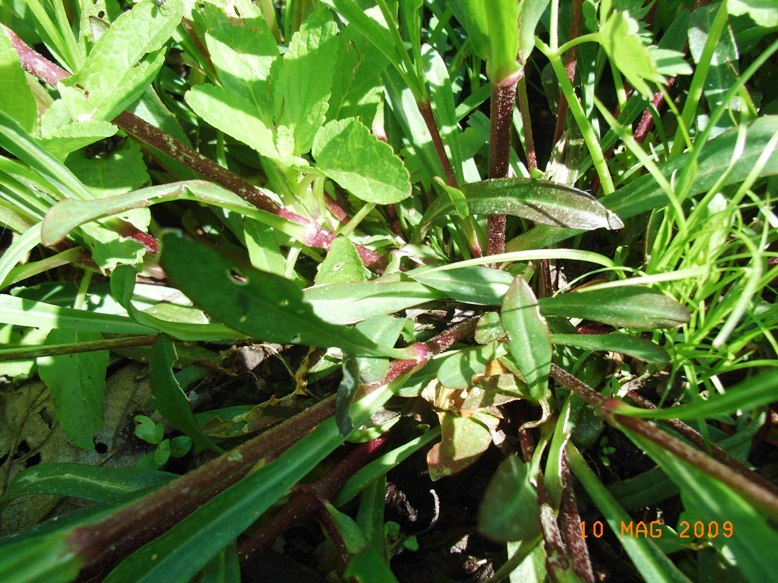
(623, 343)
(622, 307)
(492, 27)
(69, 214)
(169, 397)
(529, 339)
(96, 483)
(536, 200)
(260, 304)
(352, 156)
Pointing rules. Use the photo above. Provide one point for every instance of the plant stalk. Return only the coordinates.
(501, 106)
(308, 499)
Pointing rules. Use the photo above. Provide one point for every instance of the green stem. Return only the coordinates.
(587, 130)
(698, 80)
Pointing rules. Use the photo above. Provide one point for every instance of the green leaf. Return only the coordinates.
(114, 172)
(66, 139)
(622, 307)
(473, 285)
(747, 395)
(349, 154)
(489, 328)
(530, 12)
(619, 37)
(536, 200)
(374, 31)
(381, 330)
(234, 115)
(509, 510)
(623, 343)
(117, 70)
(16, 98)
(763, 12)
(360, 93)
(77, 383)
(502, 19)
(304, 82)
(180, 322)
(342, 264)
(38, 314)
(437, 78)
(67, 215)
(148, 431)
(169, 397)
(463, 441)
(348, 303)
(457, 370)
(752, 541)
(50, 558)
(645, 193)
(243, 51)
(529, 340)
(347, 390)
(262, 305)
(96, 483)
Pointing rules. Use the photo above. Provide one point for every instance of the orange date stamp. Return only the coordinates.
(690, 530)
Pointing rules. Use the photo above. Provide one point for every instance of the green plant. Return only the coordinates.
(317, 183)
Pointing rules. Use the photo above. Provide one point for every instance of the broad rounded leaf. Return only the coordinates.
(347, 152)
(509, 511)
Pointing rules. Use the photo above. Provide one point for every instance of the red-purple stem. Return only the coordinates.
(148, 517)
(308, 499)
(570, 62)
(501, 106)
(429, 119)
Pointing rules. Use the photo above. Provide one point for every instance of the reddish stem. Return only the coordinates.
(146, 518)
(308, 499)
(570, 62)
(429, 119)
(501, 106)
(570, 528)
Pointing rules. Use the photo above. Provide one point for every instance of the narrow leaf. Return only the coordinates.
(536, 200)
(473, 285)
(623, 307)
(99, 484)
(623, 343)
(529, 338)
(747, 395)
(169, 397)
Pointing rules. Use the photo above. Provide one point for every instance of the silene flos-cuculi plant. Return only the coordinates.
(273, 272)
